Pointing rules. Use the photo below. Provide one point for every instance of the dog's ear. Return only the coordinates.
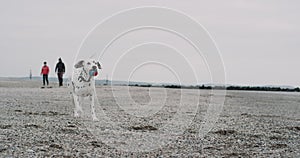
(79, 64)
(99, 66)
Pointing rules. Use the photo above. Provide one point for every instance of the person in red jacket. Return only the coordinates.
(45, 72)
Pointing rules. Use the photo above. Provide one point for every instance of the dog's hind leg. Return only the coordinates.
(92, 99)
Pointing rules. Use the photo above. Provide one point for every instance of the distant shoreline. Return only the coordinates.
(237, 88)
(170, 85)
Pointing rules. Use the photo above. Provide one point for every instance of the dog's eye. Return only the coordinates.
(89, 63)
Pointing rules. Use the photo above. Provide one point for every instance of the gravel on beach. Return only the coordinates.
(37, 122)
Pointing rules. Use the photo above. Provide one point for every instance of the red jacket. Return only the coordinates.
(45, 70)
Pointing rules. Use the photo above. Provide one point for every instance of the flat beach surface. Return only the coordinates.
(37, 122)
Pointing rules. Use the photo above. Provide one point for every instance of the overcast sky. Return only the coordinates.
(259, 40)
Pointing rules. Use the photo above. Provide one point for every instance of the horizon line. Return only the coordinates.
(200, 84)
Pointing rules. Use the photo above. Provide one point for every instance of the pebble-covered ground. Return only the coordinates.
(37, 122)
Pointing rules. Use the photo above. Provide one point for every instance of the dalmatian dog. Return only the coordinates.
(83, 84)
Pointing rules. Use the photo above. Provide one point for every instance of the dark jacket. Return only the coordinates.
(60, 67)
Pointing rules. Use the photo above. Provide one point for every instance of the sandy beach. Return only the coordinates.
(39, 122)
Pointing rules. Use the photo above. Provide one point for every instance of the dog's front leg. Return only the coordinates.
(77, 105)
(92, 99)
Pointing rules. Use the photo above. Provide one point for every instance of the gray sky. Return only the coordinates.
(259, 40)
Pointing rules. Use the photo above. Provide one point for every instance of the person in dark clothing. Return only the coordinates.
(45, 72)
(60, 69)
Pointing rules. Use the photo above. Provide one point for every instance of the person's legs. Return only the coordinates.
(47, 80)
(44, 78)
(60, 79)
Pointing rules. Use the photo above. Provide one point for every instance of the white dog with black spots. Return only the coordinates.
(83, 84)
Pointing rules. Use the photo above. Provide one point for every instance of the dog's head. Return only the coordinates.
(90, 66)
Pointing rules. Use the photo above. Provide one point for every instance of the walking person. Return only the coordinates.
(60, 69)
(45, 72)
